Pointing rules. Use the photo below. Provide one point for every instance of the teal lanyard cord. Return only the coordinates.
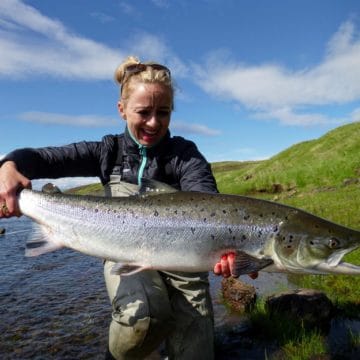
(143, 153)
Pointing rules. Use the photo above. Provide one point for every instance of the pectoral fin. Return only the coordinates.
(247, 264)
(41, 242)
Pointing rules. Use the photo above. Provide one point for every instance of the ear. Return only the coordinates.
(121, 109)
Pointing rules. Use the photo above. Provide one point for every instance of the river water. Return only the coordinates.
(55, 306)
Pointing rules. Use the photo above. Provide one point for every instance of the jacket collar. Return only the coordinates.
(132, 146)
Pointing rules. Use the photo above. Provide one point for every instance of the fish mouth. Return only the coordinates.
(341, 268)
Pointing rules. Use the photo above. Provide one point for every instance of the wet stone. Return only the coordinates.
(310, 306)
(241, 297)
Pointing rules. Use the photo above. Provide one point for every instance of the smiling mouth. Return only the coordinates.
(150, 133)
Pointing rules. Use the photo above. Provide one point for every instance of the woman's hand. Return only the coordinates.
(11, 181)
(226, 267)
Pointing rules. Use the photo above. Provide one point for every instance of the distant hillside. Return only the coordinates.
(321, 176)
(325, 162)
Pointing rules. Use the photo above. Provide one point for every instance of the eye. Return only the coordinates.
(163, 113)
(144, 112)
(334, 243)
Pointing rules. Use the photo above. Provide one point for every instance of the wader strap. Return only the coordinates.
(118, 163)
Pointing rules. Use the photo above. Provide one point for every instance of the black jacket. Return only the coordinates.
(174, 161)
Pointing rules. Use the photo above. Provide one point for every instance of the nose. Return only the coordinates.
(152, 120)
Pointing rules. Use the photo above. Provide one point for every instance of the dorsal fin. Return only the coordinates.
(154, 187)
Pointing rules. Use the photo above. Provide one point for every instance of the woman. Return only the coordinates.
(150, 306)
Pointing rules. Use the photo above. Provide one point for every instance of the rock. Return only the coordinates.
(352, 181)
(2, 231)
(50, 188)
(312, 307)
(238, 295)
(277, 188)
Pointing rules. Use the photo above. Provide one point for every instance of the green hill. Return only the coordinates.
(321, 176)
(326, 161)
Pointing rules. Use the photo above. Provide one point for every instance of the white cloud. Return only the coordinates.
(127, 8)
(33, 44)
(102, 17)
(280, 92)
(106, 121)
(355, 115)
(186, 128)
(151, 47)
(73, 120)
(161, 3)
(288, 117)
(238, 154)
(41, 45)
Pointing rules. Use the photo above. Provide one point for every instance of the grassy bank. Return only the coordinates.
(323, 177)
(329, 161)
(291, 340)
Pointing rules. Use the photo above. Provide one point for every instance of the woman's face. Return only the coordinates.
(147, 112)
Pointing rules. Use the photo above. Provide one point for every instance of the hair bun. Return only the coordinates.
(120, 70)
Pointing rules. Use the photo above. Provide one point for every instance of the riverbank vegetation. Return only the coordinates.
(321, 176)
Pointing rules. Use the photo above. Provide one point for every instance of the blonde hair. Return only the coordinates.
(148, 76)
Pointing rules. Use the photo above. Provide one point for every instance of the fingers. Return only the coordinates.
(217, 269)
(13, 206)
(231, 262)
(222, 267)
(227, 267)
(11, 181)
(4, 210)
(9, 204)
(8, 208)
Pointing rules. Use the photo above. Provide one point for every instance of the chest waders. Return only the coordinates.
(151, 307)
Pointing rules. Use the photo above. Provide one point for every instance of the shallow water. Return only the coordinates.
(55, 306)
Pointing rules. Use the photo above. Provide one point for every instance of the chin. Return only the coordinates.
(150, 142)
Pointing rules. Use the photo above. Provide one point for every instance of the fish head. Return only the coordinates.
(308, 244)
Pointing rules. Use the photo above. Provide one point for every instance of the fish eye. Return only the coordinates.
(333, 243)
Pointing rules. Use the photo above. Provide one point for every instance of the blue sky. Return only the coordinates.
(252, 77)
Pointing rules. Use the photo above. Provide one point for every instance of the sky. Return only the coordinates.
(253, 77)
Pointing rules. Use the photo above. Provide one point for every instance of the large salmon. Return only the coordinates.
(172, 230)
